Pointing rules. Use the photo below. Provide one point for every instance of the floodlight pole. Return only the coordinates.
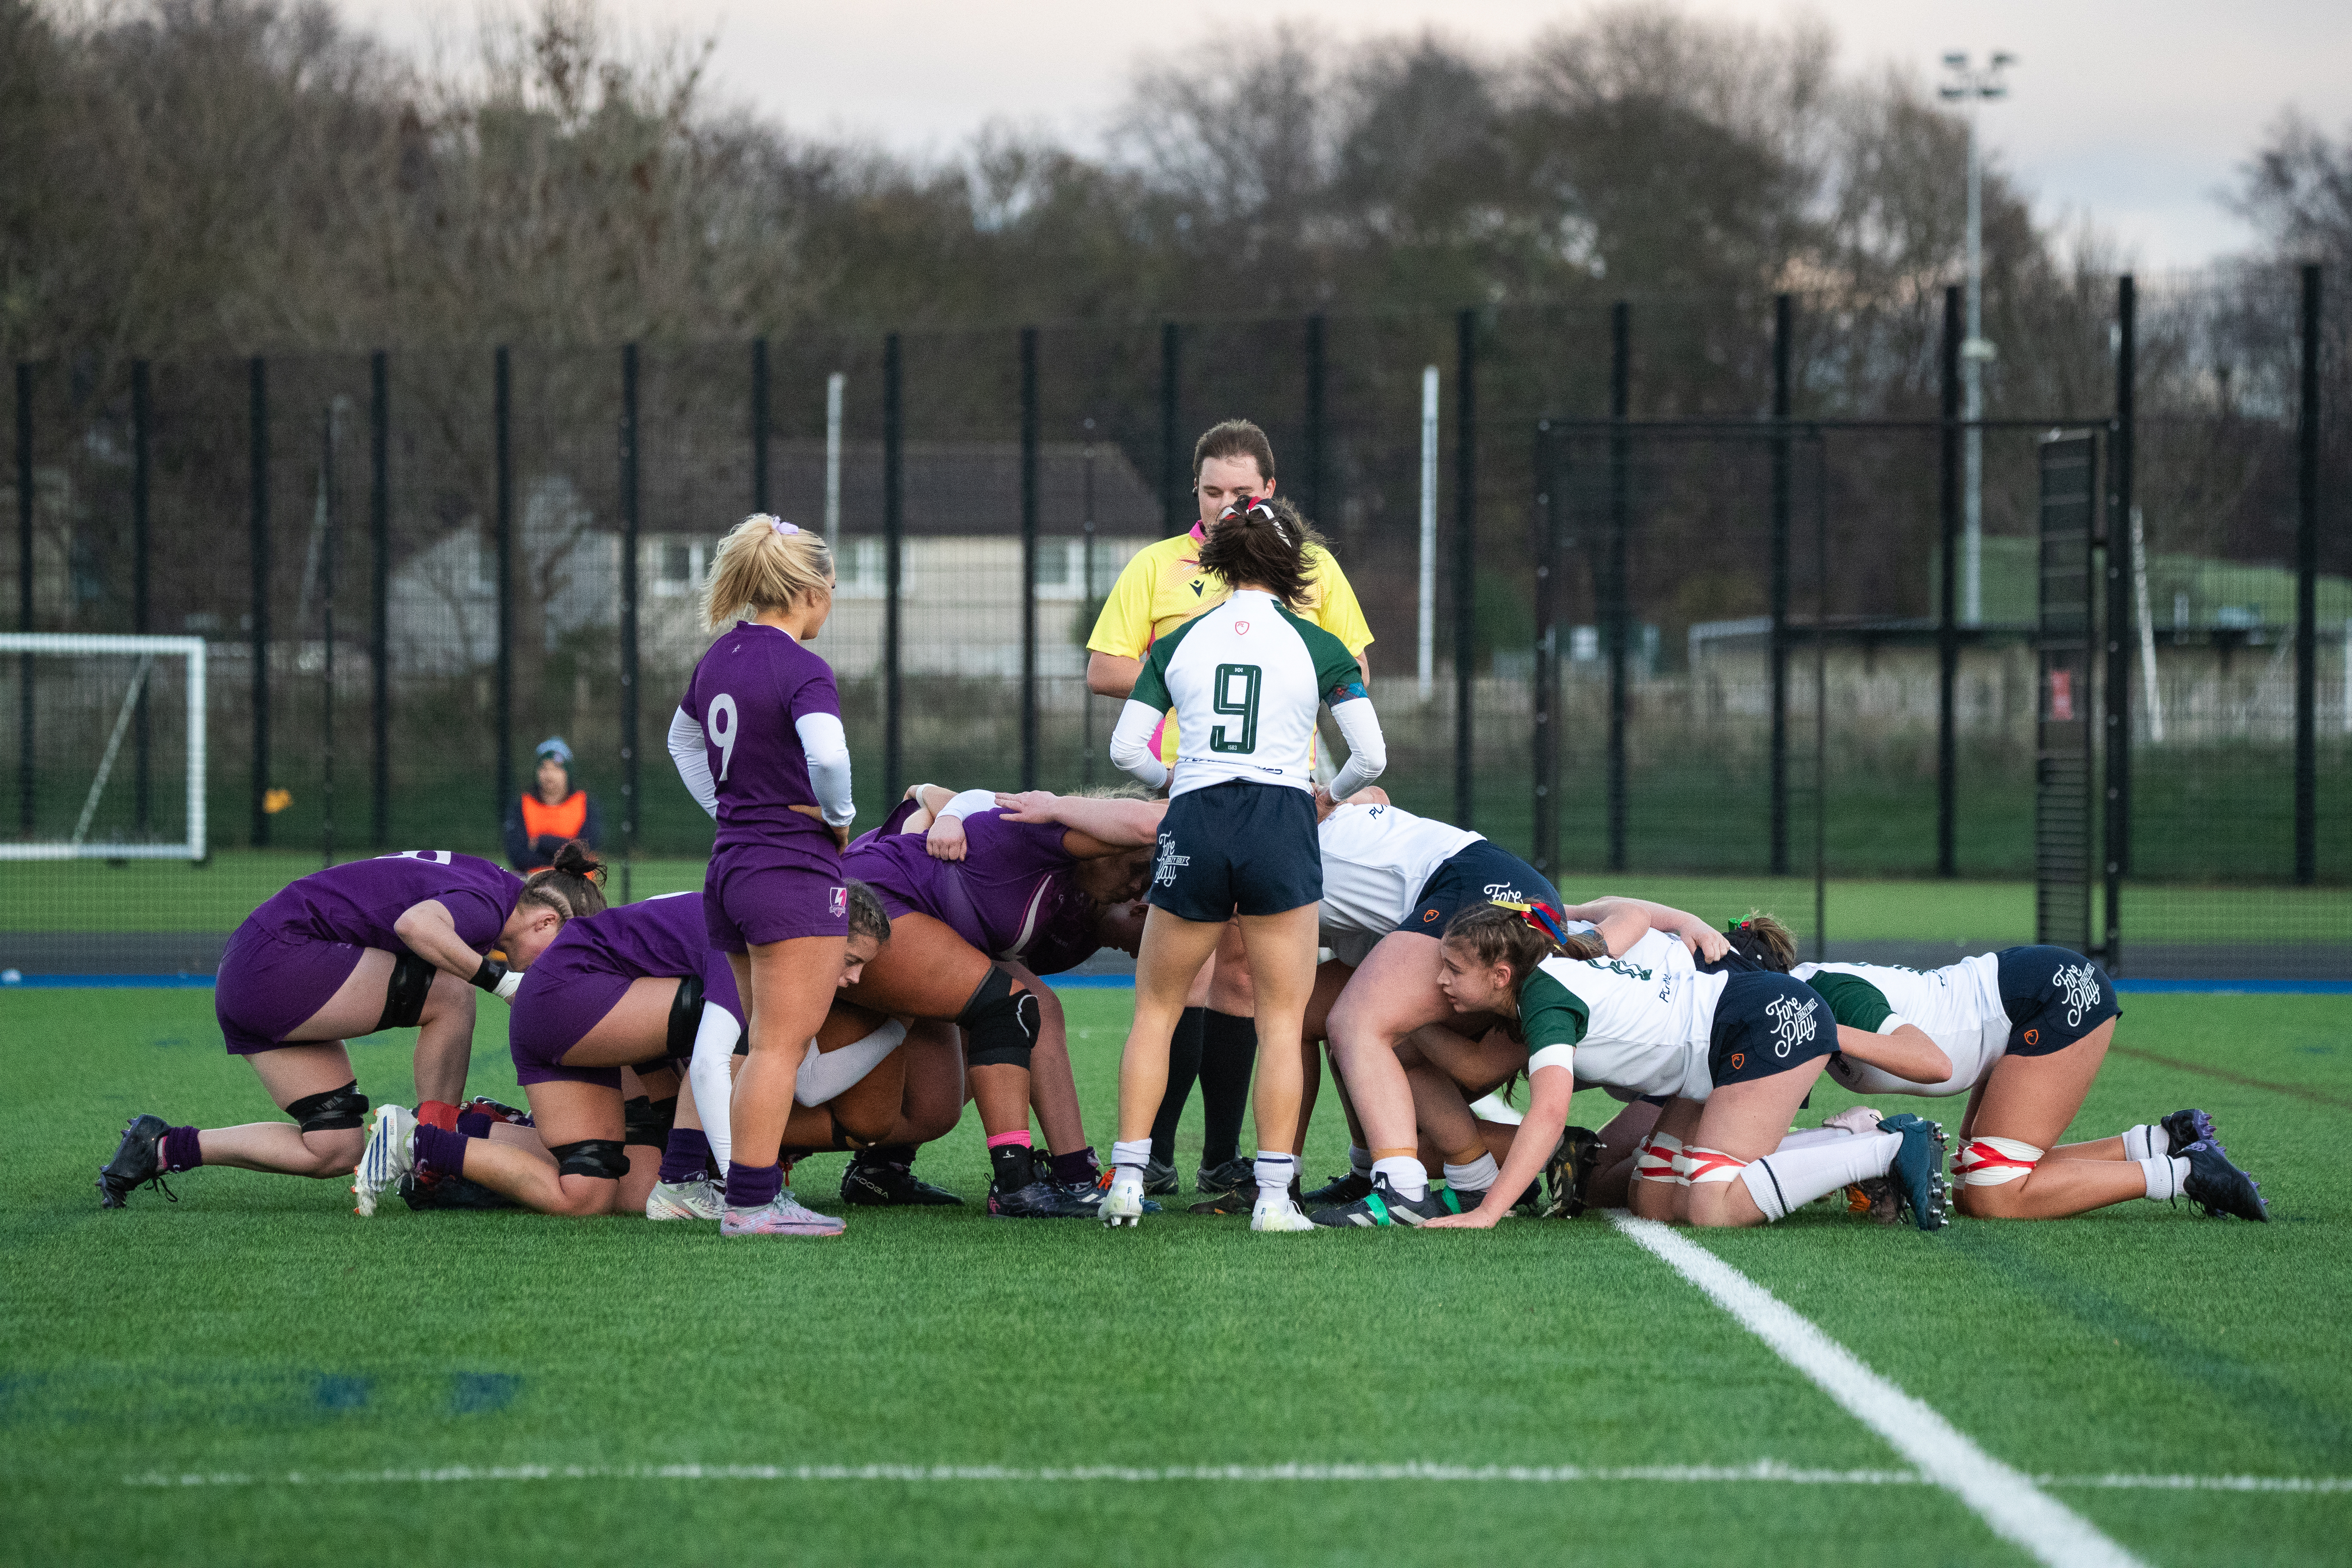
(1974, 86)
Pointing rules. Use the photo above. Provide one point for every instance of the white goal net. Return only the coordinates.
(106, 747)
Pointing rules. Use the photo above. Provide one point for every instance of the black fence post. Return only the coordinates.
(258, 495)
(1465, 562)
(1614, 611)
(330, 499)
(1783, 309)
(503, 425)
(760, 429)
(2122, 540)
(380, 598)
(1311, 492)
(1028, 558)
(1947, 624)
(1174, 488)
(631, 795)
(1547, 691)
(24, 595)
(142, 414)
(894, 752)
(2307, 594)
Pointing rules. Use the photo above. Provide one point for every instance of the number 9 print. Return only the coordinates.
(723, 730)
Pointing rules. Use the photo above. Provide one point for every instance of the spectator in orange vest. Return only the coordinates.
(550, 812)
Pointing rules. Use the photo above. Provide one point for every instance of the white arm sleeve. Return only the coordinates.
(693, 762)
(714, 1088)
(970, 801)
(1368, 750)
(827, 750)
(1130, 744)
(825, 1074)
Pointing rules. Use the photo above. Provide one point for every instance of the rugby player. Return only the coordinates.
(2021, 1032)
(1161, 587)
(1238, 836)
(397, 942)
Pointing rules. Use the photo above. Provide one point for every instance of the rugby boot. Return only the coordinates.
(1530, 1202)
(1122, 1203)
(483, 1105)
(1919, 1168)
(1241, 1201)
(1159, 1178)
(1280, 1213)
(1383, 1206)
(138, 1161)
(1344, 1189)
(2221, 1188)
(1568, 1172)
(391, 1153)
(1876, 1196)
(450, 1193)
(1235, 1175)
(2183, 1128)
(885, 1185)
(783, 1215)
(1041, 1199)
(700, 1199)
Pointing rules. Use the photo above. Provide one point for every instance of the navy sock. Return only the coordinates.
(1075, 1169)
(439, 1151)
(473, 1124)
(1228, 1053)
(687, 1157)
(754, 1186)
(1183, 1067)
(181, 1150)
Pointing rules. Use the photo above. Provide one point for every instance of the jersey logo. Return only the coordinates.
(1165, 872)
(840, 902)
(2032, 1036)
(1738, 1060)
(1502, 890)
(1241, 628)
(1196, 586)
(1427, 916)
(2081, 988)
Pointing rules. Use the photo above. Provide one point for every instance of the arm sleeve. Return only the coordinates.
(1336, 610)
(693, 762)
(963, 804)
(827, 750)
(517, 847)
(1124, 627)
(1130, 744)
(1368, 750)
(1553, 1056)
(714, 1043)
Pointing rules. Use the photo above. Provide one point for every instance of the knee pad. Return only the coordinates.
(648, 1120)
(333, 1111)
(685, 1015)
(1995, 1162)
(1697, 1167)
(1001, 1026)
(598, 1157)
(1657, 1160)
(404, 995)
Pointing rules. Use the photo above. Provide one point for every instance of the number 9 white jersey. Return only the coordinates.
(1245, 680)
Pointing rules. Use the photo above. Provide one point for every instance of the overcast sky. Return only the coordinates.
(2134, 114)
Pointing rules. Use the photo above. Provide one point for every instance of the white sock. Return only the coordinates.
(1474, 1177)
(1812, 1138)
(1127, 1160)
(2146, 1143)
(1407, 1175)
(2166, 1175)
(1786, 1180)
(1360, 1160)
(1274, 1173)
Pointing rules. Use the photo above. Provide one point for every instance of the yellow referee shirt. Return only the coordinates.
(1163, 586)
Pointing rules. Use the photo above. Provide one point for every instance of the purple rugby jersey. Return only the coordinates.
(1014, 895)
(358, 901)
(746, 693)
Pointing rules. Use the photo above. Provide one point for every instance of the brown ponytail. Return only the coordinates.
(1761, 939)
(1499, 935)
(867, 915)
(1261, 542)
(574, 886)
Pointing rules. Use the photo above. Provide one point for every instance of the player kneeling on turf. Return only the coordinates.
(388, 944)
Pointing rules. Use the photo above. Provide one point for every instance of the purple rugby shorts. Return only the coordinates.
(271, 985)
(752, 895)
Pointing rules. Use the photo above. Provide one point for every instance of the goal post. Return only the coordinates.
(90, 710)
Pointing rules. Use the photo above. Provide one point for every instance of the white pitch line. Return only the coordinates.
(1525, 1475)
(2018, 1510)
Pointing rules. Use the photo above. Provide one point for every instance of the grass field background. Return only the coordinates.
(259, 1328)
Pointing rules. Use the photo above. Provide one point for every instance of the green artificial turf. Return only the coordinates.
(258, 1328)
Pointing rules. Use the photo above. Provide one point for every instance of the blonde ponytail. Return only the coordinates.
(764, 563)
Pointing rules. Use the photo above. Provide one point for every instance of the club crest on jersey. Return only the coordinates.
(1793, 1022)
(840, 902)
(2081, 988)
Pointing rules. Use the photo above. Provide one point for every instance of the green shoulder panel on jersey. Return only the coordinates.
(1550, 1014)
(1853, 1001)
(1151, 680)
(1335, 667)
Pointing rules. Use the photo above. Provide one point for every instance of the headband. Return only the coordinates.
(1542, 917)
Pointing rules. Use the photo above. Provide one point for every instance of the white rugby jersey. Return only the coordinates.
(1647, 1019)
(1375, 860)
(1958, 1006)
(1244, 679)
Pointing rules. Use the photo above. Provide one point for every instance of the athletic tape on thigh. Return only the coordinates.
(404, 993)
(599, 1157)
(1700, 1166)
(685, 1015)
(333, 1111)
(1656, 1159)
(1000, 1025)
(1993, 1162)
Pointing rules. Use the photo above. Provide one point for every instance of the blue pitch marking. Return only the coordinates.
(1125, 982)
(107, 983)
(2239, 987)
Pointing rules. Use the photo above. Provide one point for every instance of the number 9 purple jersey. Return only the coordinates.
(746, 693)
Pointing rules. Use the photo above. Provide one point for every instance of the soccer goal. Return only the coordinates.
(109, 746)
